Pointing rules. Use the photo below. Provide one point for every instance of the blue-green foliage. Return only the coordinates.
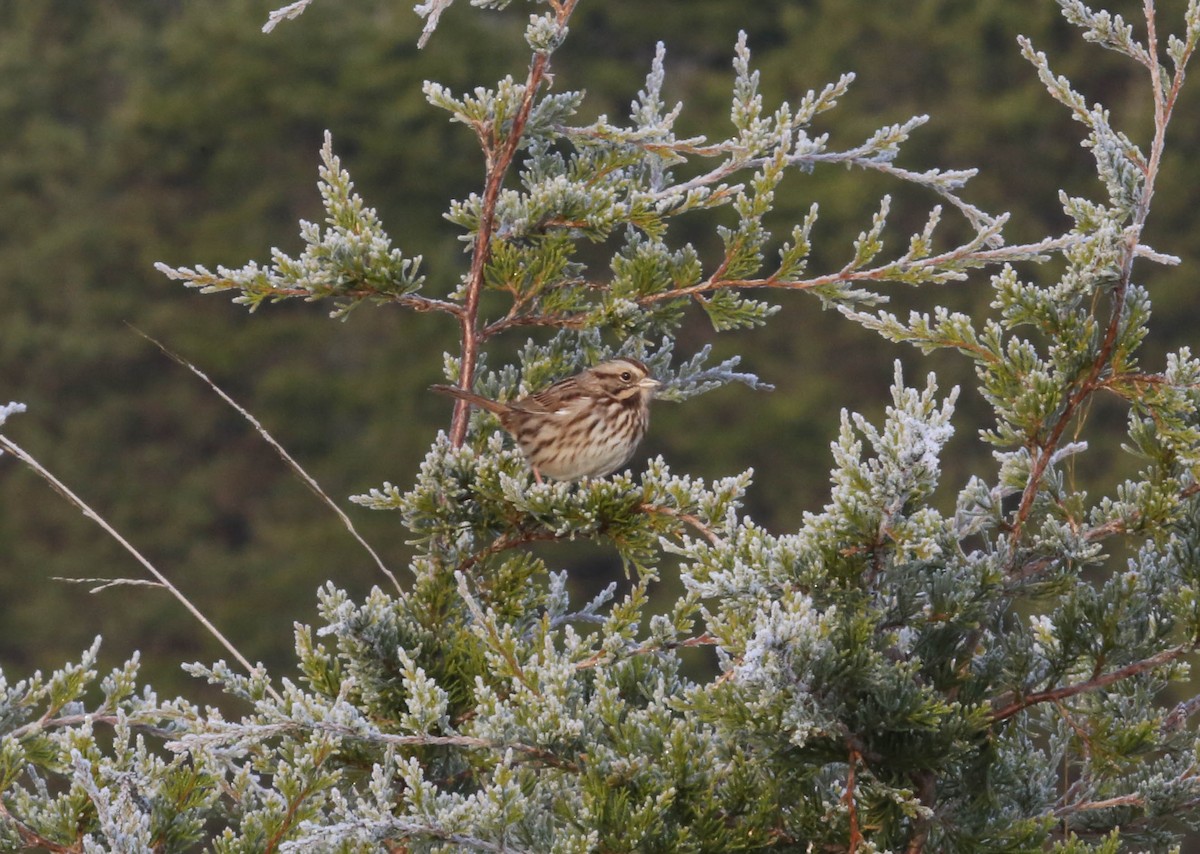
(896, 674)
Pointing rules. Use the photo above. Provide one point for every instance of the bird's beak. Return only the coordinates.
(648, 383)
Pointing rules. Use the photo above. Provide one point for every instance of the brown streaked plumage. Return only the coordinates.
(587, 425)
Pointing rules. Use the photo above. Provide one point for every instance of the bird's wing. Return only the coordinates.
(558, 397)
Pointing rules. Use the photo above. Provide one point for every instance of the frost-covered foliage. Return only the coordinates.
(9, 409)
(887, 677)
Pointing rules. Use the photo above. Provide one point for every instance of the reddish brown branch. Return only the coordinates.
(1107, 803)
(856, 837)
(1133, 799)
(705, 531)
(497, 169)
(1016, 704)
(1110, 528)
(294, 804)
(31, 838)
(498, 164)
(559, 321)
(422, 304)
(506, 542)
(882, 273)
(715, 282)
(1043, 451)
(926, 785)
(1179, 715)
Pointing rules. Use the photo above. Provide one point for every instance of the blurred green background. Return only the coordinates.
(162, 130)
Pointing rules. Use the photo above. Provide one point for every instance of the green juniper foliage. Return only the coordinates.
(887, 678)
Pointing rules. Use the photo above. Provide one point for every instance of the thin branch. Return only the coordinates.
(926, 785)
(558, 320)
(1107, 803)
(1179, 715)
(509, 541)
(707, 532)
(1086, 752)
(498, 163)
(497, 642)
(655, 145)
(424, 304)
(864, 156)
(1112, 527)
(92, 718)
(1160, 106)
(233, 732)
(1043, 451)
(967, 253)
(538, 753)
(856, 837)
(61, 488)
(1133, 799)
(399, 832)
(605, 657)
(416, 302)
(1016, 704)
(31, 838)
(107, 583)
(283, 454)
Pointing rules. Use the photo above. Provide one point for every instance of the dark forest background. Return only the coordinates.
(159, 130)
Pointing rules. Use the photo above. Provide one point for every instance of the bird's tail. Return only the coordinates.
(469, 397)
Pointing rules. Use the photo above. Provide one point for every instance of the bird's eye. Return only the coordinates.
(626, 376)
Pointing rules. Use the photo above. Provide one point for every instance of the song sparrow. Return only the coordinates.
(583, 426)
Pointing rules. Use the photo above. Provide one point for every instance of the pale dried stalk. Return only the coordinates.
(62, 489)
